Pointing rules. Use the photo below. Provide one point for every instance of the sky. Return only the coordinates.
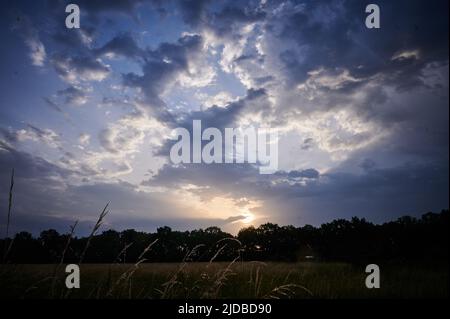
(86, 115)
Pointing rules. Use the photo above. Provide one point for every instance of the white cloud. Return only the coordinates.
(84, 139)
(37, 51)
(75, 69)
(30, 35)
(221, 99)
(197, 75)
(75, 95)
(35, 134)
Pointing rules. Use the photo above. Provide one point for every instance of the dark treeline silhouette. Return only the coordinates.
(356, 240)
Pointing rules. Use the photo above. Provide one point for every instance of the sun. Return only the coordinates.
(249, 218)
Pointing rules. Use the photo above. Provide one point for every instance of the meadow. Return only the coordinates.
(198, 280)
(417, 248)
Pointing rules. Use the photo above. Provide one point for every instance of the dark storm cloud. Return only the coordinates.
(160, 69)
(222, 22)
(26, 165)
(237, 180)
(221, 117)
(377, 194)
(415, 189)
(122, 6)
(45, 136)
(76, 40)
(198, 14)
(380, 194)
(8, 135)
(225, 179)
(307, 173)
(39, 201)
(92, 11)
(218, 117)
(193, 10)
(73, 95)
(72, 69)
(264, 80)
(333, 35)
(307, 143)
(121, 45)
(43, 198)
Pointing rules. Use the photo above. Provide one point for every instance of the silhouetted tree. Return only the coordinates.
(355, 240)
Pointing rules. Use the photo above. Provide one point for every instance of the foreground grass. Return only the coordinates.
(223, 280)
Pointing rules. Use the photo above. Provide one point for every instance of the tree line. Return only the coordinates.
(422, 239)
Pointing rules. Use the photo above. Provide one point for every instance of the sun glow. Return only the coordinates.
(249, 218)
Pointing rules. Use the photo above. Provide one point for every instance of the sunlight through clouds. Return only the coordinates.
(360, 117)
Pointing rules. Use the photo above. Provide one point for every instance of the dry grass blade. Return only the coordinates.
(173, 281)
(69, 239)
(122, 252)
(221, 278)
(224, 246)
(217, 253)
(63, 255)
(128, 274)
(286, 291)
(188, 256)
(258, 281)
(94, 231)
(230, 239)
(147, 249)
(10, 202)
(7, 249)
(35, 286)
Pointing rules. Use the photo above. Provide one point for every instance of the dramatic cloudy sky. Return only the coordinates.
(86, 114)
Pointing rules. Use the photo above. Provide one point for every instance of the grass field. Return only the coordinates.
(222, 280)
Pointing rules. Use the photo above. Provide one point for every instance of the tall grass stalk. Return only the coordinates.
(96, 227)
(10, 202)
(128, 274)
(69, 239)
(63, 255)
(94, 231)
(122, 252)
(168, 286)
(7, 247)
